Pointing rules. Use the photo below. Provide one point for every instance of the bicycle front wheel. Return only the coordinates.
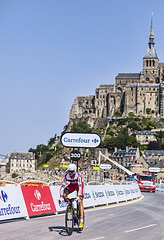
(69, 219)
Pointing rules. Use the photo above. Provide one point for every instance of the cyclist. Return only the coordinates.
(76, 183)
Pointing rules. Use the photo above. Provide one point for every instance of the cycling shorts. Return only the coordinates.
(72, 187)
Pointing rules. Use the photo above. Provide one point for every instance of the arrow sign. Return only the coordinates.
(81, 140)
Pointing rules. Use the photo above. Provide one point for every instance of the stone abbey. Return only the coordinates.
(141, 93)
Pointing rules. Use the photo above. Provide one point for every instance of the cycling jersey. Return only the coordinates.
(75, 184)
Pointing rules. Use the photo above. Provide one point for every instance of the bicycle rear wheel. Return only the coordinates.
(69, 219)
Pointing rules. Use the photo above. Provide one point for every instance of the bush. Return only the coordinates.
(14, 175)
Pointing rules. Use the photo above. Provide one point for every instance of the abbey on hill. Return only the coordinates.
(141, 93)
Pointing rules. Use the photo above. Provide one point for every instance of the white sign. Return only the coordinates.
(12, 204)
(154, 169)
(81, 140)
(105, 166)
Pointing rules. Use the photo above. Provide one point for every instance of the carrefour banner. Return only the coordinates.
(38, 200)
(11, 203)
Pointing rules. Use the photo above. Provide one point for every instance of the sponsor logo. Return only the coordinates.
(87, 195)
(3, 196)
(9, 210)
(127, 192)
(39, 207)
(119, 193)
(93, 194)
(97, 195)
(37, 194)
(109, 193)
(95, 140)
(63, 204)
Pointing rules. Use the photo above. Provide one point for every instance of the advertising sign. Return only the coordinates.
(154, 169)
(11, 203)
(120, 193)
(105, 166)
(110, 193)
(81, 140)
(98, 194)
(38, 200)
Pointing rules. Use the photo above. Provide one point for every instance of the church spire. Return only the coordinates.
(151, 53)
(151, 35)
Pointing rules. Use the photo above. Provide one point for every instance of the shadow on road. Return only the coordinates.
(62, 231)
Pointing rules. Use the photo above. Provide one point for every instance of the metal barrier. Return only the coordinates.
(33, 183)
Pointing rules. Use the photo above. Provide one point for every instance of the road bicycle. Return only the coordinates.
(72, 215)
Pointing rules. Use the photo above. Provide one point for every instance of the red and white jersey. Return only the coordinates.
(77, 182)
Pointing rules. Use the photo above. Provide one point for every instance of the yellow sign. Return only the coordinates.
(56, 168)
(45, 165)
(96, 168)
(64, 166)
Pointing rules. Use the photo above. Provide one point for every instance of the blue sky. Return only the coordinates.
(54, 50)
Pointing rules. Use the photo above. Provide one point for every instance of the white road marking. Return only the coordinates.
(136, 229)
(97, 238)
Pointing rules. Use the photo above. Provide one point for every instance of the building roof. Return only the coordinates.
(145, 133)
(148, 85)
(160, 64)
(154, 152)
(128, 75)
(22, 155)
(122, 153)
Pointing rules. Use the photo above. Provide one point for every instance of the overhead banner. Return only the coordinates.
(38, 200)
(80, 140)
(11, 203)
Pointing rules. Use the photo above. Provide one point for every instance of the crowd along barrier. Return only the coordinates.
(28, 201)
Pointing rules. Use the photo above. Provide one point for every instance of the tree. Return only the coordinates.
(81, 126)
(148, 111)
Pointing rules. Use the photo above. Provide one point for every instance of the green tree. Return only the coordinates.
(81, 126)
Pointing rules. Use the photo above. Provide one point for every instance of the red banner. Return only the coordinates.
(38, 200)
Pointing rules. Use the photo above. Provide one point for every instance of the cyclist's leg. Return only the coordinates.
(81, 206)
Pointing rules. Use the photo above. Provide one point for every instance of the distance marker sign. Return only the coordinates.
(81, 140)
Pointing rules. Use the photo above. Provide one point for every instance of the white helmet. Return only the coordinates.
(72, 167)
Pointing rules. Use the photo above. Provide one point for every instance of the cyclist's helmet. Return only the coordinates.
(72, 168)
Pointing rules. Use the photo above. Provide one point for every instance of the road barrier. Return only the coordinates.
(159, 187)
(26, 201)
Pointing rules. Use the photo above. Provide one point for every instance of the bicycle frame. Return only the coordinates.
(72, 216)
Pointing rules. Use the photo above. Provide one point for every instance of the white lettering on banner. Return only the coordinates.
(9, 210)
(41, 207)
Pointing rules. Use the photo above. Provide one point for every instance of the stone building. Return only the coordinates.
(126, 157)
(141, 93)
(145, 137)
(18, 161)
